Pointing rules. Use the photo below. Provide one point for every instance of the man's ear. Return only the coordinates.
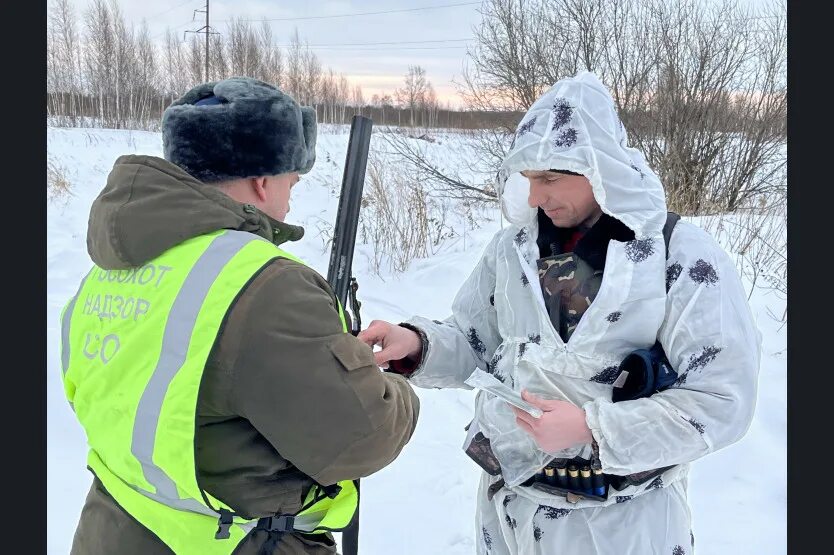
(258, 185)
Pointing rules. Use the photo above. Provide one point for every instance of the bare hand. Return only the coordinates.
(561, 426)
(397, 342)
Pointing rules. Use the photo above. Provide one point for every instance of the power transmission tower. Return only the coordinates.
(207, 30)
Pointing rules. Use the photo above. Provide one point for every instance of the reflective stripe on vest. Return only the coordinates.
(134, 346)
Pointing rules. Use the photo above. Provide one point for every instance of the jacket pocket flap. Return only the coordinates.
(351, 353)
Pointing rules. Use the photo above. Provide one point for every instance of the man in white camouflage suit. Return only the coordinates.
(581, 279)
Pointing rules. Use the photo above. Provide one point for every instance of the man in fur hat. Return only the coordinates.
(226, 407)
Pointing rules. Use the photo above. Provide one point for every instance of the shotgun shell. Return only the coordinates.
(562, 476)
(598, 481)
(585, 479)
(573, 478)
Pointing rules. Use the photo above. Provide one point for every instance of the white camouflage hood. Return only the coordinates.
(574, 126)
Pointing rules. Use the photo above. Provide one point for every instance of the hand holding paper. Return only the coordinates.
(562, 424)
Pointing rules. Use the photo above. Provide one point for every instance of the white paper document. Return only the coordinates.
(485, 381)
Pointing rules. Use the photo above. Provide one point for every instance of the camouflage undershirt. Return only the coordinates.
(569, 286)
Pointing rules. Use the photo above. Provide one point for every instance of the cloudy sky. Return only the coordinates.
(372, 49)
(342, 42)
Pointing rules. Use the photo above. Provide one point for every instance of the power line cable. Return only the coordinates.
(442, 6)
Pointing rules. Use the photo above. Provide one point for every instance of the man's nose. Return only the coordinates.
(535, 198)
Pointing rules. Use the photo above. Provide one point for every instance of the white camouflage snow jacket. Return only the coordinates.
(694, 303)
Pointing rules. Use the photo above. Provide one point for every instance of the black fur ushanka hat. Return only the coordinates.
(238, 127)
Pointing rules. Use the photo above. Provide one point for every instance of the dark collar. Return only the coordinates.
(592, 247)
(281, 232)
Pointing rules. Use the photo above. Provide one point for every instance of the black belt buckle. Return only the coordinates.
(280, 523)
(224, 524)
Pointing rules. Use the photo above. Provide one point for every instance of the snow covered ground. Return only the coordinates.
(424, 502)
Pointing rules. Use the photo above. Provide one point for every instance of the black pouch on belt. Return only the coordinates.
(643, 373)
